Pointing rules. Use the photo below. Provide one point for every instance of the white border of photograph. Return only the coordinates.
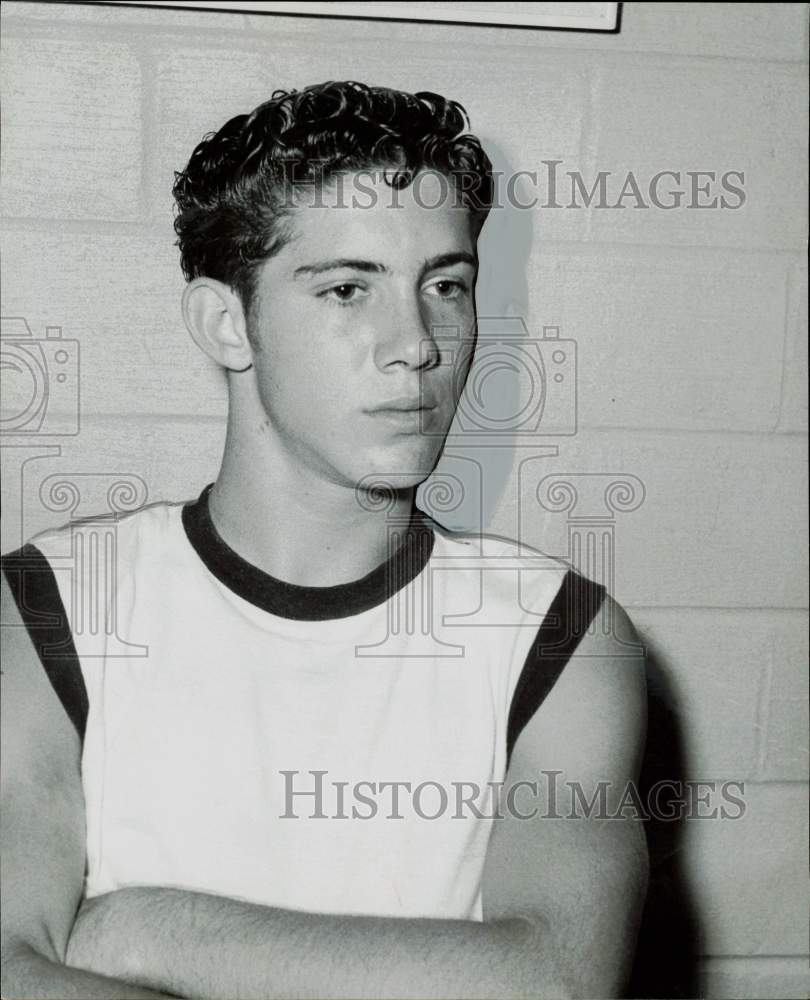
(571, 16)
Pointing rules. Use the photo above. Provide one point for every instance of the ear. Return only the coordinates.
(215, 318)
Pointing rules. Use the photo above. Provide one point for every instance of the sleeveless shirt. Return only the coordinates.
(333, 749)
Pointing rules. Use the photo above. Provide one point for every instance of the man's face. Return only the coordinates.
(351, 373)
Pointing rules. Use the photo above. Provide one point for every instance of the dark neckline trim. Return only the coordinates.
(289, 600)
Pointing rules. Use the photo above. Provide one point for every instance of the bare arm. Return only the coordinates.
(210, 946)
(585, 874)
(561, 901)
(42, 823)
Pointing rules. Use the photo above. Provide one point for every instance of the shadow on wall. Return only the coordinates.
(666, 956)
(502, 292)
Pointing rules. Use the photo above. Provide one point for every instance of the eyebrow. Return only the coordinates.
(334, 265)
(448, 260)
(370, 266)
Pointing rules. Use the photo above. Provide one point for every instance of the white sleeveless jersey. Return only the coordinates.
(328, 749)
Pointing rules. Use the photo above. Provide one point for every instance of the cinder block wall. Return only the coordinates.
(689, 325)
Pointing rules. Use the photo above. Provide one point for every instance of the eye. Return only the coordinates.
(345, 294)
(447, 288)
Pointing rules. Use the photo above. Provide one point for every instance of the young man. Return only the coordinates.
(281, 797)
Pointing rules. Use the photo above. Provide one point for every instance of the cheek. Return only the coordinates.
(303, 387)
(456, 361)
(455, 329)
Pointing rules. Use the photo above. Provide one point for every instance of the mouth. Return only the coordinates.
(406, 414)
(403, 404)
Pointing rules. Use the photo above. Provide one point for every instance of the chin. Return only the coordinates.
(404, 464)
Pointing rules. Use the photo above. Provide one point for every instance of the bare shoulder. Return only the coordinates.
(594, 720)
(610, 658)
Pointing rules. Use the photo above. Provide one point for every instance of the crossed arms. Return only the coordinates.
(561, 897)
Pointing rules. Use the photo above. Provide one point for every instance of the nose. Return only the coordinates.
(408, 336)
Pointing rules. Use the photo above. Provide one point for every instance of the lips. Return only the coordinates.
(404, 404)
(406, 415)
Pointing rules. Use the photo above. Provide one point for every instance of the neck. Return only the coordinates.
(294, 524)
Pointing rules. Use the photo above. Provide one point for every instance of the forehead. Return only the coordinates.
(362, 211)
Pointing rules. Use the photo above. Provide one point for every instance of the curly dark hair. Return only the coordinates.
(233, 195)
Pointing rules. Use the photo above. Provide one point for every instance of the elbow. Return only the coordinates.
(532, 968)
(537, 967)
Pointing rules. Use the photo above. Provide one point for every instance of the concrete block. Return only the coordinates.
(113, 15)
(794, 389)
(749, 875)
(677, 340)
(716, 117)
(198, 89)
(784, 712)
(777, 978)
(117, 293)
(721, 522)
(749, 31)
(160, 459)
(72, 128)
(716, 666)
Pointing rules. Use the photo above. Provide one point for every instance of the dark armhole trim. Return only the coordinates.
(33, 585)
(573, 609)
